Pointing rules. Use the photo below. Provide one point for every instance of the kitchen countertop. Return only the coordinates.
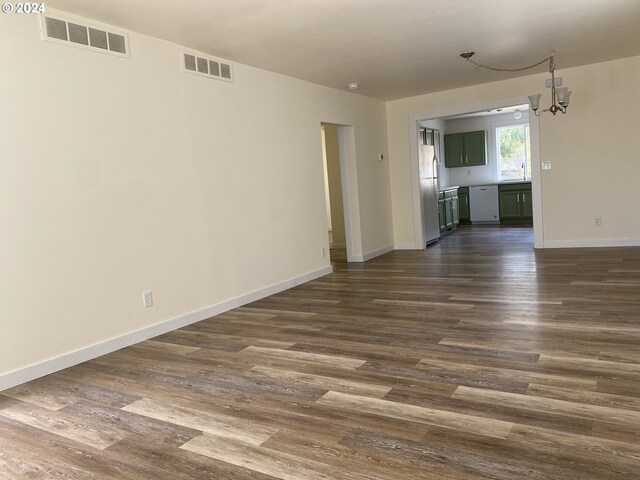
(510, 182)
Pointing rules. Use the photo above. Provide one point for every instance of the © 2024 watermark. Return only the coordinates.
(23, 7)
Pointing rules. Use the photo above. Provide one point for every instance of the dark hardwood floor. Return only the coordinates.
(477, 358)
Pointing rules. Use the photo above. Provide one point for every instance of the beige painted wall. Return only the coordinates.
(126, 175)
(335, 185)
(593, 150)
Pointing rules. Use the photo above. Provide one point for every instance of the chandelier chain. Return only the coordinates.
(559, 96)
(510, 69)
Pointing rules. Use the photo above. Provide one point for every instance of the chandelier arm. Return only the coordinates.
(528, 67)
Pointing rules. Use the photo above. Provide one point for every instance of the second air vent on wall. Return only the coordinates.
(205, 66)
(67, 30)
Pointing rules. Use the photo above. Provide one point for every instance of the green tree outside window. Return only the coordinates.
(514, 150)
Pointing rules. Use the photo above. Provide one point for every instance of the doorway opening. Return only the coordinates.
(335, 193)
(488, 172)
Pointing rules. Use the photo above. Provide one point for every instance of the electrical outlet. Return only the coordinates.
(323, 252)
(147, 299)
(469, 172)
(597, 221)
(546, 165)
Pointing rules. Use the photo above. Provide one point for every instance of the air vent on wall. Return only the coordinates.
(205, 66)
(60, 29)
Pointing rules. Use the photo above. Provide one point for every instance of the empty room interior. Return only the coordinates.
(318, 240)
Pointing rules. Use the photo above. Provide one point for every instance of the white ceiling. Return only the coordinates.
(392, 48)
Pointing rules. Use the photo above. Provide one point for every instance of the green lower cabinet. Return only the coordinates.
(448, 210)
(464, 211)
(443, 223)
(510, 206)
(515, 203)
(455, 211)
(527, 200)
(448, 213)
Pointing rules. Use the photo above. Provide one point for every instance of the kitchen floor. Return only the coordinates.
(474, 236)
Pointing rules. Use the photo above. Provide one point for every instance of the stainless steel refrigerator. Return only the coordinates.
(428, 154)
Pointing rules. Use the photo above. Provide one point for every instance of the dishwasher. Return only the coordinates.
(483, 201)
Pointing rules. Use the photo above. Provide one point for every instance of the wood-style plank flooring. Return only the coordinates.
(477, 358)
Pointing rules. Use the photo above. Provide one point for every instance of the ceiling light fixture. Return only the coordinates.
(559, 96)
(352, 86)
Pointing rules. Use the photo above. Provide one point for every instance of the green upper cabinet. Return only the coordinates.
(467, 149)
(454, 150)
(475, 148)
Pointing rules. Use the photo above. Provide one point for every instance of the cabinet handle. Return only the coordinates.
(466, 159)
(466, 201)
(518, 198)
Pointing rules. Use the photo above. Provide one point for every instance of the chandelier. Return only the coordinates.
(559, 96)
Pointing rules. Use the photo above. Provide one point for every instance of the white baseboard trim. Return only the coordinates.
(373, 254)
(406, 246)
(67, 360)
(593, 243)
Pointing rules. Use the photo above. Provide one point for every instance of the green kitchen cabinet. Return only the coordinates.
(510, 206)
(463, 205)
(441, 218)
(475, 148)
(527, 200)
(455, 211)
(448, 214)
(515, 202)
(466, 149)
(448, 210)
(454, 150)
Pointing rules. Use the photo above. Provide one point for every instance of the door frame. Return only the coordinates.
(536, 172)
(348, 179)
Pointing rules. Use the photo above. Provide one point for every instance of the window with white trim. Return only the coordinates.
(514, 152)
